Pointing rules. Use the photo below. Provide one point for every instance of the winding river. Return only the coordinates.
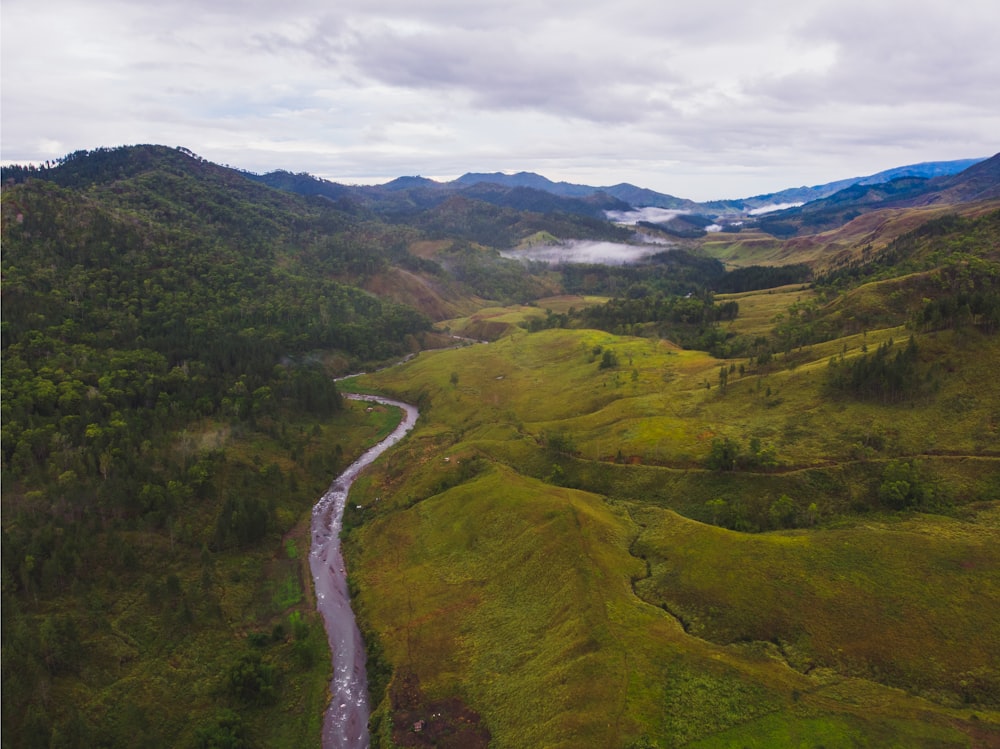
(345, 724)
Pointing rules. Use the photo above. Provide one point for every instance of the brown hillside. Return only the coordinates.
(879, 228)
(431, 296)
(826, 249)
(977, 183)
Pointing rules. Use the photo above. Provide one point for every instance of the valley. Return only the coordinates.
(745, 492)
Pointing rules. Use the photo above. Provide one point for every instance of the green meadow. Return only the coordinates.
(553, 559)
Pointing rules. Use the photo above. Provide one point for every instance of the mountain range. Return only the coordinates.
(978, 182)
(623, 193)
(583, 210)
(816, 208)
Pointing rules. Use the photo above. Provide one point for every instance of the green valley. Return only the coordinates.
(745, 493)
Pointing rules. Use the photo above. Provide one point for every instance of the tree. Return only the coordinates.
(782, 512)
(252, 680)
(561, 442)
(60, 644)
(717, 507)
(878, 376)
(723, 455)
(902, 486)
(226, 731)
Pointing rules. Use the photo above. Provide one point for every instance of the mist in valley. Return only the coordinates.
(589, 251)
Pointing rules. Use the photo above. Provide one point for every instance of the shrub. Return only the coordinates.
(225, 732)
(252, 680)
(902, 486)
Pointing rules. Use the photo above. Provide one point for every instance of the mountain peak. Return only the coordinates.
(407, 183)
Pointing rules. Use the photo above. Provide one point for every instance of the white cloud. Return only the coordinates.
(708, 100)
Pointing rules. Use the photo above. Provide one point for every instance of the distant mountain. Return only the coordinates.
(541, 201)
(408, 183)
(407, 194)
(980, 181)
(628, 193)
(642, 197)
(803, 194)
(926, 169)
(528, 179)
(822, 207)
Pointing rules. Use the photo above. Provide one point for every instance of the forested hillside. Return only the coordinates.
(169, 334)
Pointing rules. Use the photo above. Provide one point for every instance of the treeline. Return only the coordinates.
(888, 375)
(688, 320)
(979, 308)
(486, 274)
(675, 272)
(755, 277)
(969, 296)
(663, 313)
(85, 167)
(672, 296)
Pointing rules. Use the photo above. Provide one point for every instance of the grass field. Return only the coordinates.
(540, 551)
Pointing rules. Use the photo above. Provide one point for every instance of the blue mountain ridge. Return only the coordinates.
(638, 196)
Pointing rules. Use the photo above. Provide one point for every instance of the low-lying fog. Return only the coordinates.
(614, 253)
(587, 251)
(773, 207)
(653, 215)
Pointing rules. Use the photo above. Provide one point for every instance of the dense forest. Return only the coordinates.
(148, 296)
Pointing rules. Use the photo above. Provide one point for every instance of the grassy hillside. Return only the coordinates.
(544, 553)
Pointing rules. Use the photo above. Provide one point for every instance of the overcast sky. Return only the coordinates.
(706, 99)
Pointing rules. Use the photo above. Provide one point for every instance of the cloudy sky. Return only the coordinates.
(706, 99)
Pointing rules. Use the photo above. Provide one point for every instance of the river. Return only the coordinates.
(345, 724)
